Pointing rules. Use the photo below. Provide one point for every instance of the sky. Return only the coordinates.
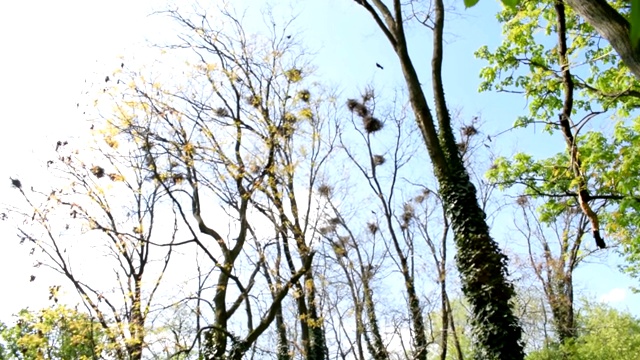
(54, 52)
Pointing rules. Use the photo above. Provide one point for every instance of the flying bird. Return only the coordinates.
(16, 183)
(106, 79)
(379, 66)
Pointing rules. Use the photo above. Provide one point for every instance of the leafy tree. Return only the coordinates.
(618, 22)
(53, 333)
(482, 266)
(566, 74)
(603, 333)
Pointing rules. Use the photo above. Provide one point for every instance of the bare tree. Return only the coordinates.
(554, 252)
(375, 247)
(103, 213)
(248, 134)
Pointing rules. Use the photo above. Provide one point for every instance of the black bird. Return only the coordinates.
(288, 36)
(58, 144)
(106, 79)
(379, 66)
(16, 183)
(121, 65)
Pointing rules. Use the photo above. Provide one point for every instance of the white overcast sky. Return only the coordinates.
(50, 48)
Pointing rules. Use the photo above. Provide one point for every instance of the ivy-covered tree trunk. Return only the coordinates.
(561, 302)
(482, 266)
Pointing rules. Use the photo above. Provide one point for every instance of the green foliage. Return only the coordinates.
(602, 332)
(470, 3)
(634, 17)
(611, 166)
(54, 333)
(528, 63)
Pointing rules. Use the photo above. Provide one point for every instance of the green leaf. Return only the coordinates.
(470, 3)
(635, 22)
(512, 3)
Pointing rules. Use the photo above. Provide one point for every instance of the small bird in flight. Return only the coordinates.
(379, 66)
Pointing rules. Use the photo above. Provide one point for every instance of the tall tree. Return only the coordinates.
(482, 266)
(570, 82)
(246, 133)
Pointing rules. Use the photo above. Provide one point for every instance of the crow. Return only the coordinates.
(16, 183)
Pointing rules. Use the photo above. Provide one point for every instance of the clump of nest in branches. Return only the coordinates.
(324, 190)
(289, 118)
(177, 178)
(254, 168)
(97, 171)
(371, 124)
(116, 177)
(327, 229)
(255, 101)
(222, 112)
(368, 95)
(408, 212)
(335, 221)
(469, 130)
(522, 200)
(422, 197)
(293, 75)
(304, 95)
(373, 228)
(339, 250)
(378, 160)
(462, 147)
(357, 107)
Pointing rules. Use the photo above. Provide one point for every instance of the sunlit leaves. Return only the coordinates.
(470, 3)
(527, 62)
(55, 333)
(601, 332)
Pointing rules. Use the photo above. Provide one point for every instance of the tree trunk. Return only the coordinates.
(483, 271)
(612, 26)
